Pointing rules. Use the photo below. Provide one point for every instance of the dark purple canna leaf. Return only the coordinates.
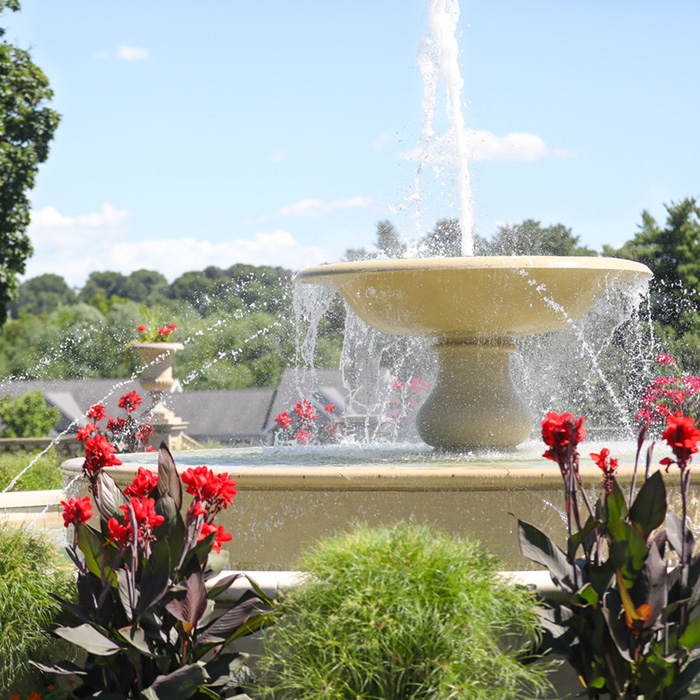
(178, 685)
(168, 478)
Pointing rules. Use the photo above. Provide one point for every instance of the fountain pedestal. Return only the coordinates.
(474, 403)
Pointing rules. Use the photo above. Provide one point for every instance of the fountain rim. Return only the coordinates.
(492, 262)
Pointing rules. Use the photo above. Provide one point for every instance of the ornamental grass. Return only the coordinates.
(401, 612)
(31, 568)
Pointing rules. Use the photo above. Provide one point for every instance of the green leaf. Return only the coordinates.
(222, 585)
(649, 508)
(586, 596)
(628, 551)
(248, 607)
(691, 637)
(228, 669)
(90, 639)
(575, 541)
(60, 668)
(136, 637)
(178, 685)
(91, 545)
(617, 506)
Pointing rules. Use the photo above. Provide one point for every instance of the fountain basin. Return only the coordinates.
(474, 307)
(286, 502)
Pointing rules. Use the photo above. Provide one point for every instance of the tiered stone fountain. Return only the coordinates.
(474, 307)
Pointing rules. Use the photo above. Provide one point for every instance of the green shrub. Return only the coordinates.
(401, 612)
(30, 569)
(27, 416)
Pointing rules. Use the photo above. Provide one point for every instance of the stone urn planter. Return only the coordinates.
(156, 361)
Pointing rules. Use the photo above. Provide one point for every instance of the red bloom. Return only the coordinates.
(141, 328)
(305, 410)
(83, 433)
(144, 482)
(283, 420)
(417, 385)
(130, 402)
(118, 532)
(115, 425)
(144, 434)
(561, 433)
(99, 453)
(172, 326)
(145, 516)
(216, 490)
(330, 408)
(303, 437)
(164, 331)
(77, 510)
(220, 537)
(608, 467)
(97, 411)
(682, 437)
(664, 359)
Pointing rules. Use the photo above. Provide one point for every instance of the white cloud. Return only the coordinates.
(483, 145)
(314, 208)
(132, 53)
(276, 156)
(73, 247)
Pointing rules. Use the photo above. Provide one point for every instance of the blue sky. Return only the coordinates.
(281, 132)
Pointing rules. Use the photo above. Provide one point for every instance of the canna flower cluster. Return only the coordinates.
(120, 434)
(668, 394)
(405, 399)
(144, 577)
(613, 575)
(303, 425)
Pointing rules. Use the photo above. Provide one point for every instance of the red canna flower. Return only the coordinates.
(77, 510)
(130, 402)
(283, 420)
(664, 359)
(561, 433)
(608, 468)
(141, 328)
(682, 437)
(83, 433)
(144, 482)
(220, 537)
(99, 453)
(97, 412)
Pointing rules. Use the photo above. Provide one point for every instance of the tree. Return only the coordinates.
(26, 128)
(107, 284)
(530, 238)
(145, 286)
(42, 295)
(672, 253)
(445, 240)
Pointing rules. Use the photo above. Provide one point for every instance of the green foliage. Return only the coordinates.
(44, 474)
(26, 128)
(27, 416)
(30, 572)
(672, 253)
(146, 618)
(401, 612)
(531, 238)
(43, 295)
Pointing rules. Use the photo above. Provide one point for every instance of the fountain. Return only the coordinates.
(474, 308)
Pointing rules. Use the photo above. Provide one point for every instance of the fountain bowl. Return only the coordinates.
(474, 308)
